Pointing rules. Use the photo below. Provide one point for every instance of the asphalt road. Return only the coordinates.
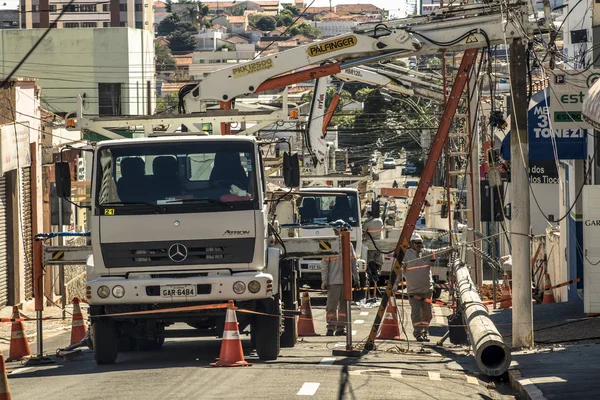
(181, 370)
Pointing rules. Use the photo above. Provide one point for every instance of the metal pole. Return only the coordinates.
(346, 254)
(61, 271)
(38, 291)
(522, 328)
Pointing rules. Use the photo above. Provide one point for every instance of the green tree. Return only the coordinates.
(305, 29)
(238, 9)
(285, 19)
(291, 8)
(167, 103)
(168, 25)
(263, 22)
(168, 7)
(331, 91)
(164, 59)
(181, 41)
(186, 26)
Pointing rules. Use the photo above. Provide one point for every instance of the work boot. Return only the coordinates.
(420, 339)
(329, 332)
(425, 338)
(341, 332)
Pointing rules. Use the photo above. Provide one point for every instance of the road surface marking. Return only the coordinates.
(308, 389)
(434, 376)
(359, 321)
(20, 370)
(473, 380)
(354, 333)
(327, 360)
(396, 373)
(363, 313)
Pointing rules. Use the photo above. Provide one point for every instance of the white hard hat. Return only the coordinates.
(416, 237)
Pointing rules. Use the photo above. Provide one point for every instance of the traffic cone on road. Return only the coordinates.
(390, 326)
(19, 346)
(548, 292)
(505, 294)
(4, 389)
(78, 328)
(306, 324)
(232, 354)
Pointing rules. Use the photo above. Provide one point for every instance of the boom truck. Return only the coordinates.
(179, 219)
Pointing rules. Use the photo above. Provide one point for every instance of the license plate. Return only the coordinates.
(178, 291)
(314, 267)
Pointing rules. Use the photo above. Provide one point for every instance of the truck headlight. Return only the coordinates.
(239, 287)
(118, 291)
(254, 286)
(103, 292)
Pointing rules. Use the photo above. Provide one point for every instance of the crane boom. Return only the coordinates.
(453, 28)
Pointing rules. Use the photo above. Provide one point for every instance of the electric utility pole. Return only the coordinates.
(522, 314)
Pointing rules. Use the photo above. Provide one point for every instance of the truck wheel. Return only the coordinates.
(289, 337)
(106, 341)
(267, 330)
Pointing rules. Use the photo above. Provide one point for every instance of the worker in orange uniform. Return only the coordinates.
(419, 284)
(332, 280)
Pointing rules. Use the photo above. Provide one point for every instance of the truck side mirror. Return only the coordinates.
(291, 170)
(62, 175)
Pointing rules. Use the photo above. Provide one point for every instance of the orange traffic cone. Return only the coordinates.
(4, 389)
(19, 346)
(548, 292)
(232, 354)
(505, 294)
(306, 324)
(390, 327)
(78, 328)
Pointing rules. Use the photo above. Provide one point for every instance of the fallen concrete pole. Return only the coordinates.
(491, 354)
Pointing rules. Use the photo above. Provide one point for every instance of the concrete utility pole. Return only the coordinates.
(522, 328)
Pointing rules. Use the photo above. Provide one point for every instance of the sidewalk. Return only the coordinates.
(566, 361)
(51, 327)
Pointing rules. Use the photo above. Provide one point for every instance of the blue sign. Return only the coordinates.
(571, 143)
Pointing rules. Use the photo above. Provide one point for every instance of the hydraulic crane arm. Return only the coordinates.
(452, 29)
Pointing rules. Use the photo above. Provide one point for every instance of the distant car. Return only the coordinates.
(389, 163)
(411, 184)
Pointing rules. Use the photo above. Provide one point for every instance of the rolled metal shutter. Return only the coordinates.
(27, 235)
(3, 245)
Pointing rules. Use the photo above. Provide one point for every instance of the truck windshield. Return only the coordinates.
(320, 209)
(212, 175)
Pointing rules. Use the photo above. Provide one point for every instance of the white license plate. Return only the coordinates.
(314, 267)
(178, 291)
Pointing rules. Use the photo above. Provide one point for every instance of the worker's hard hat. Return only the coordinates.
(416, 237)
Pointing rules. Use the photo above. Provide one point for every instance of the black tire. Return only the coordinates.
(289, 337)
(106, 341)
(127, 343)
(267, 332)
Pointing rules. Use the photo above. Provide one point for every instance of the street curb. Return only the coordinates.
(526, 388)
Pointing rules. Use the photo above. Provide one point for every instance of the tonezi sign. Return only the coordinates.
(332, 45)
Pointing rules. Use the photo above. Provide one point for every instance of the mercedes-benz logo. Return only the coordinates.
(178, 252)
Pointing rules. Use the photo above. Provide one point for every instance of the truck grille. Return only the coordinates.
(198, 252)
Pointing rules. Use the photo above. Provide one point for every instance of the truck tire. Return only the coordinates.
(267, 332)
(289, 337)
(106, 341)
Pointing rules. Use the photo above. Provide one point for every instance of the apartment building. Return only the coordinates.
(136, 14)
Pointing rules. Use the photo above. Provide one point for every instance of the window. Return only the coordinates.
(35, 8)
(109, 99)
(139, 25)
(105, 7)
(87, 8)
(124, 7)
(89, 24)
(123, 24)
(320, 209)
(71, 8)
(139, 7)
(180, 177)
(71, 25)
(52, 8)
(106, 24)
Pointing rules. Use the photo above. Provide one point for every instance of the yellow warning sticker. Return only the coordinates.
(324, 245)
(109, 211)
(58, 255)
(332, 45)
(252, 68)
(471, 39)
